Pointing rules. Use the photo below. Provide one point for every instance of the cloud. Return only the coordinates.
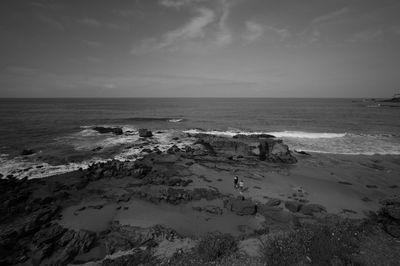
(177, 3)
(224, 35)
(282, 34)
(51, 22)
(94, 23)
(91, 22)
(371, 35)
(92, 44)
(253, 31)
(331, 16)
(46, 5)
(194, 29)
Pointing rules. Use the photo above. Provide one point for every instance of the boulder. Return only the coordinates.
(273, 202)
(310, 209)
(144, 133)
(275, 214)
(242, 207)
(27, 152)
(114, 130)
(293, 206)
(393, 230)
(281, 153)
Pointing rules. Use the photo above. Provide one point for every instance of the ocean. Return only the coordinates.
(60, 130)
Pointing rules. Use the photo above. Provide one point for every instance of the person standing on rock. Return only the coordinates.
(241, 185)
(235, 181)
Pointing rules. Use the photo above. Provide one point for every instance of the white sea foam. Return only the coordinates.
(175, 120)
(19, 167)
(306, 135)
(333, 143)
(278, 134)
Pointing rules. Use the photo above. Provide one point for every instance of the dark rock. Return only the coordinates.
(371, 186)
(242, 207)
(310, 209)
(97, 148)
(349, 211)
(252, 136)
(293, 206)
(73, 244)
(393, 230)
(302, 153)
(144, 133)
(114, 130)
(275, 214)
(209, 209)
(281, 153)
(345, 183)
(124, 198)
(173, 149)
(273, 202)
(393, 211)
(27, 152)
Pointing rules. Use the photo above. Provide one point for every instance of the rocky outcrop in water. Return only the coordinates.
(114, 130)
(145, 133)
(265, 147)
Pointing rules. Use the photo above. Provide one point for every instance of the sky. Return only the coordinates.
(199, 48)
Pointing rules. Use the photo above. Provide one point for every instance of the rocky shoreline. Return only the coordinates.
(114, 212)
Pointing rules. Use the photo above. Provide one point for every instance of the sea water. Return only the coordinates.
(60, 130)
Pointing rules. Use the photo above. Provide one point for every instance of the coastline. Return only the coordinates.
(186, 192)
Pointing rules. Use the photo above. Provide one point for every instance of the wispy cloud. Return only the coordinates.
(46, 5)
(330, 16)
(51, 22)
(178, 3)
(224, 35)
(91, 22)
(207, 29)
(370, 35)
(92, 44)
(94, 23)
(194, 29)
(253, 31)
(282, 34)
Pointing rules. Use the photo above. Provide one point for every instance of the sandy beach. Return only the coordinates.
(174, 198)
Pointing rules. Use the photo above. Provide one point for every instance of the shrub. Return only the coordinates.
(216, 245)
(283, 249)
(313, 244)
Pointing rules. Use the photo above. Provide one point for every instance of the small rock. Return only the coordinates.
(293, 206)
(273, 202)
(144, 133)
(28, 152)
(310, 209)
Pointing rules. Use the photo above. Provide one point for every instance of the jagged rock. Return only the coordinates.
(241, 207)
(275, 214)
(144, 133)
(393, 230)
(173, 149)
(124, 198)
(210, 209)
(75, 243)
(293, 206)
(28, 152)
(280, 153)
(252, 136)
(273, 202)
(114, 130)
(302, 153)
(310, 209)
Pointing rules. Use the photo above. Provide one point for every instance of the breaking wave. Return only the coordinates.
(334, 143)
